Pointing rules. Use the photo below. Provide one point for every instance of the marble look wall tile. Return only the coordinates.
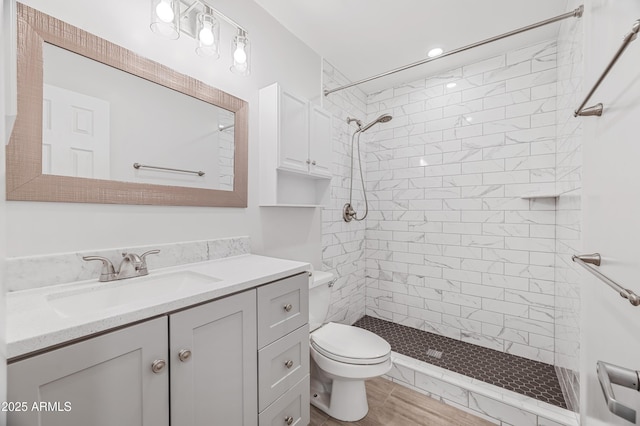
(346, 255)
(38, 271)
(445, 177)
(501, 411)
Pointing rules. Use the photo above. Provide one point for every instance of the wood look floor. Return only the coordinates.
(393, 405)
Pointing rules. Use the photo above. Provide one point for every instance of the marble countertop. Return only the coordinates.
(33, 323)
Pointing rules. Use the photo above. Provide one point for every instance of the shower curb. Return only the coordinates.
(493, 403)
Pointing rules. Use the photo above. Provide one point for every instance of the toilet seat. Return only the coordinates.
(351, 345)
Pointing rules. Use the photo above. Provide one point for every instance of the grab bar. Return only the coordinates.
(138, 166)
(595, 259)
(597, 108)
(609, 373)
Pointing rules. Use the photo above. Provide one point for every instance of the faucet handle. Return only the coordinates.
(143, 258)
(108, 272)
(143, 255)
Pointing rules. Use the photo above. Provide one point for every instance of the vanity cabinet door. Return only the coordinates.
(104, 381)
(213, 357)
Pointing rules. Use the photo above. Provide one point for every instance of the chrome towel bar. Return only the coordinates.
(143, 166)
(597, 108)
(595, 259)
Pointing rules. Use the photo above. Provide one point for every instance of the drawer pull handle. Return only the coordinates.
(288, 420)
(288, 364)
(288, 307)
(158, 365)
(184, 355)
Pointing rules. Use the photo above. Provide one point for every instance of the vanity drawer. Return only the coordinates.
(292, 409)
(281, 365)
(283, 306)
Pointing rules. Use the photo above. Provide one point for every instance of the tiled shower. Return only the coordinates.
(466, 235)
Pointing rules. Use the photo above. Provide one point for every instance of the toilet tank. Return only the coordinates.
(319, 297)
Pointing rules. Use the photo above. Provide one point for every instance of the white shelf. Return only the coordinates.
(540, 195)
(537, 195)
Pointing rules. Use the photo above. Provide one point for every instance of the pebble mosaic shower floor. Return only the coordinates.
(531, 378)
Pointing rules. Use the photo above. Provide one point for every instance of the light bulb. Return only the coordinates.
(206, 35)
(240, 56)
(435, 52)
(165, 11)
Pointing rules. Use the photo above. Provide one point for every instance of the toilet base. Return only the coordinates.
(342, 398)
(346, 400)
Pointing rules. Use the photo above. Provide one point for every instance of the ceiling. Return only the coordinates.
(366, 37)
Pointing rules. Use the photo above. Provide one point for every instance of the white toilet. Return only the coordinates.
(342, 357)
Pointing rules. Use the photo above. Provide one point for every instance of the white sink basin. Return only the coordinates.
(111, 295)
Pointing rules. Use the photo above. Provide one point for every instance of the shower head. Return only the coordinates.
(382, 119)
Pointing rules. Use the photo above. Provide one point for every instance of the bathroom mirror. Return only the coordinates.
(99, 124)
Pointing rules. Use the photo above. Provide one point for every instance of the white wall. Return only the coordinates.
(40, 228)
(611, 205)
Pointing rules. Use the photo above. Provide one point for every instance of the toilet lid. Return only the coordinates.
(352, 345)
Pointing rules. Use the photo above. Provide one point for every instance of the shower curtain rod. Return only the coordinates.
(576, 13)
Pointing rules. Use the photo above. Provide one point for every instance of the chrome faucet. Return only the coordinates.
(130, 266)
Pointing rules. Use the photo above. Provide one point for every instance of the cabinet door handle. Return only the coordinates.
(288, 364)
(288, 420)
(308, 161)
(313, 163)
(158, 365)
(288, 307)
(184, 355)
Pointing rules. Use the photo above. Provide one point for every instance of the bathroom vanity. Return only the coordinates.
(231, 351)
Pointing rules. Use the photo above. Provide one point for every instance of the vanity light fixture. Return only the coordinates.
(208, 35)
(240, 57)
(171, 18)
(165, 18)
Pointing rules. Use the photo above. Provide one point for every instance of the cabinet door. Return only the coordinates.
(217, 383)
(320, 141)
(294, 134)
(104, 381)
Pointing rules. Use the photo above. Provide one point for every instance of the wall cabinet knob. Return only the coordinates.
(158, 365)
(308, 161)
(184, 355)
(288, 307)
(313, 162)
(288, 420)
(288, 364)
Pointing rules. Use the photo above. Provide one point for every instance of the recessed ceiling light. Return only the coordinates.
(451, 85)
(436, 51)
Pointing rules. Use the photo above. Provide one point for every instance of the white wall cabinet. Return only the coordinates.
(195, 367)
(295, 149)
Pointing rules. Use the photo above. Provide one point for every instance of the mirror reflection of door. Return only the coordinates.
(75, 134)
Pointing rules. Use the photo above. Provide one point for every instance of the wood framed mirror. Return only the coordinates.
(195, 184)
